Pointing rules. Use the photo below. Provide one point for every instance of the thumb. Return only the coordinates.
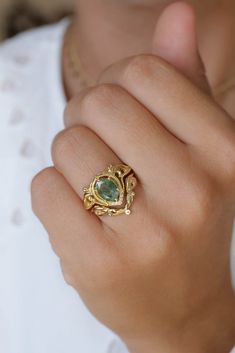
(175, 40)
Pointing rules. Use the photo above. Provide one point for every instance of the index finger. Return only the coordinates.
(182, 108)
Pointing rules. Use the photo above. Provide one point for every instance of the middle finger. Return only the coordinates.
(130, 130)
(79, 154)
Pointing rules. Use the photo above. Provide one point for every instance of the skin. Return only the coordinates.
(159, 278)
(124, 28)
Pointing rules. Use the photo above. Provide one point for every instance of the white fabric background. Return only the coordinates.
(39, 313)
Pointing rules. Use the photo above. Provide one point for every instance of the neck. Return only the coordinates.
(111, 30)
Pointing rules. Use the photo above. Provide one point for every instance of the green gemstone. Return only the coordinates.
(107, 189)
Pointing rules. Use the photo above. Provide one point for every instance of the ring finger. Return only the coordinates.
(79, 154)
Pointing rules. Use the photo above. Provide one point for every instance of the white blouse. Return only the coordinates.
(39, 312)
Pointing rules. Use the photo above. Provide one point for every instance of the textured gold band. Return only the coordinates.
(111, 192)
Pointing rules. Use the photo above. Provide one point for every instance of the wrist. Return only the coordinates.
(212, 332)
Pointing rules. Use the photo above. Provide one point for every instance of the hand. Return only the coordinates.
(159, 278)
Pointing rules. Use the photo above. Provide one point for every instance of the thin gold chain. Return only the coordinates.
(74, 61)
(78, 71)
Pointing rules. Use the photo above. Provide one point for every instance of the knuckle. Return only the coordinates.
(156, 253)
(68, 278)
(60, 145)
(203, 198)
(71, 114)
(229, 162)
(158, 244)
(99, 97)
(106, 274)
(40, 185)
(165, 241)
(108, 271)
(65, 141)
(144, 65)
(66, 272)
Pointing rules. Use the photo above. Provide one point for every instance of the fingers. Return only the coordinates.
(164, 168)
(133, 133)
(179, 105)
(70, 226)
(175, 40)
(176, 184)
(79, 154)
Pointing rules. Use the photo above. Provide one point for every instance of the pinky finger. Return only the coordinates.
(72, 230)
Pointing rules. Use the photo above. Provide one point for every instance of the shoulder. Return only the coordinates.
(23, 55)
(14, 50)
(26, 63)
(30, 91)
(31, 107)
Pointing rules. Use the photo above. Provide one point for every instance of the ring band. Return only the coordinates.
(111, 192)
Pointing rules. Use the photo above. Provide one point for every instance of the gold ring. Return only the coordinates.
(111, 192)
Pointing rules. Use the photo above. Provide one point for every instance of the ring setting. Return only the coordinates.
(111, 192)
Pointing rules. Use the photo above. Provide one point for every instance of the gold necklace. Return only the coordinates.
(74, 61)
(78, 72)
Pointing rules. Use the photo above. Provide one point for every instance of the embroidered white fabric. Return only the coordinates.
(39, 312)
